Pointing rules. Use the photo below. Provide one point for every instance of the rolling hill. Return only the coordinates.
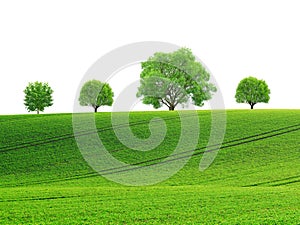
(254, 179)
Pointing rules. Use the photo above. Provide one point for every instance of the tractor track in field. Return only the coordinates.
(63, 137)
(285, 183)
(234, 140)
(278, 182)
(39, 198)
(208, 149)
(212, 148)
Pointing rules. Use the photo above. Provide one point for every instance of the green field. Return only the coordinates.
(255, 178)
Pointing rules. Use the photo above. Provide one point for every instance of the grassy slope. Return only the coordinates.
(256, 182)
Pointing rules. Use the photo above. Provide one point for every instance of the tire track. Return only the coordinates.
(286, 179)
(39, 198)
(83, 133)
(195, 154)
(228, 144)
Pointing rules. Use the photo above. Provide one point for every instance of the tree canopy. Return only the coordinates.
(95, 93)
(174, 78)
(38, 96)
(252, 91)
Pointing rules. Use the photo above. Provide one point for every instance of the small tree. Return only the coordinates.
(174, 78)
(95, 93)
(252, 91)
(38, 96)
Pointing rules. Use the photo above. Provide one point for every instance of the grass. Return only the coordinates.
(254, 179)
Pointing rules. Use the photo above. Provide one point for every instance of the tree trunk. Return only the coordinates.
(252, 105)
(171, 108)
(96, 109)
(37, 111)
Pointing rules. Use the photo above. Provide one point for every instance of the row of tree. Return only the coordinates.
(167, 79)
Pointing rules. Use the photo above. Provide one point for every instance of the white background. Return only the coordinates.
(57, 41)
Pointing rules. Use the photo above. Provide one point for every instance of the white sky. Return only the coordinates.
(57, 41)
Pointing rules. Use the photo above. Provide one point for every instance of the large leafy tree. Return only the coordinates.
(95, 93)
(38, 96)
(252, 91)
(174, 78)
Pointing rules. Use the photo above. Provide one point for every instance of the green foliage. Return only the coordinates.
(252, 91)
(95, 93)
(254, 183)
(38, 96)
(174, 78)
